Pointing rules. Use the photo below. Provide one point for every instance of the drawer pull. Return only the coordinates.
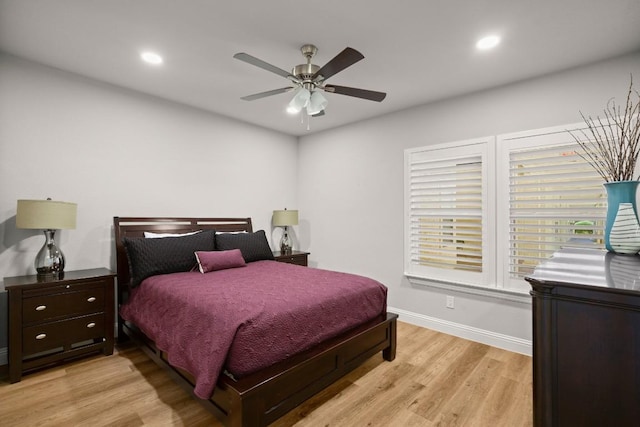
(41, 308)
(91, 325)
(41, 336)
(91, 299)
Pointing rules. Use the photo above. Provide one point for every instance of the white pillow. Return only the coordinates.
(150, 235)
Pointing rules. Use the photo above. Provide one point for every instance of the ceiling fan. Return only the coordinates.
(309, 79)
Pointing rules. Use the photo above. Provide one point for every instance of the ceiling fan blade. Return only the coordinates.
(344, 59)
(265, 94)
(358, 93)
(264, 65)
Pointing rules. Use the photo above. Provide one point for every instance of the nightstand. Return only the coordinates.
(58, 319)
(294, 257)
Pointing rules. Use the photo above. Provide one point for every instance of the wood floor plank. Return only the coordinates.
(440, 358)
(462, 408)
(440, 389)
(498, 403)
(371, 396)
(435, 380)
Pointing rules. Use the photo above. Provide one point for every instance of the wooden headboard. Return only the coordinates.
(136, 226)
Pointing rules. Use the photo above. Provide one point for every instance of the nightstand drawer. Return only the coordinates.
(294, 259)
(48, 336)
(51, 288)
(37, 309)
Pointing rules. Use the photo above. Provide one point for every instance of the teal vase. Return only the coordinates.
(619, 192)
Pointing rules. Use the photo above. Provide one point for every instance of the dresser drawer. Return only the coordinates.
(51, 335)
(46, 307)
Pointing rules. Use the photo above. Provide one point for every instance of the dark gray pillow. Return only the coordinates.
(254, 246)
(148, 257)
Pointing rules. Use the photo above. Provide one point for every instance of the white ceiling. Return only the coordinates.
(417, 51)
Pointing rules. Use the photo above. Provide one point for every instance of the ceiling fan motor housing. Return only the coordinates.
(305, 71)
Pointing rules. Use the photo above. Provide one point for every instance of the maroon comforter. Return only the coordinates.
(244, 319)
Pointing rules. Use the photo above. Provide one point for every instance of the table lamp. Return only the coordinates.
(284, 219)
(49, 216)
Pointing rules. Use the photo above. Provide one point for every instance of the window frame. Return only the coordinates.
(485, 148)
(507, 143)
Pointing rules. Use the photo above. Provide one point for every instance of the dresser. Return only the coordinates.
(586, 339)
(58, 319)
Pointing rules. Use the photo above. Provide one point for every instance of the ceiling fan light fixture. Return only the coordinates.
(317, 103)
(299, 101)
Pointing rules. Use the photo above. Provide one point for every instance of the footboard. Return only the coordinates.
(265, 396)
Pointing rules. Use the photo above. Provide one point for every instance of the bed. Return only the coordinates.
(261, 396)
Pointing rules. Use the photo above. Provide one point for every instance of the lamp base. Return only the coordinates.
(49, 262)
(285, 243)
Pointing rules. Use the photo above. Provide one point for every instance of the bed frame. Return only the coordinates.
(262, 397)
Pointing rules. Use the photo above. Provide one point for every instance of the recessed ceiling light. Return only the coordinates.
(488, 42)
(151, 58)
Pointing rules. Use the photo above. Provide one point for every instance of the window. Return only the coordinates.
(485, 212)
(447, 222)
(549, 197)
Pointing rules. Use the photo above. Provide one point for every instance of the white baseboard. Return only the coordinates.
(4, 356)
(506, 342)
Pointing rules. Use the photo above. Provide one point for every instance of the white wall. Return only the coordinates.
(351, 188)
(116, 152)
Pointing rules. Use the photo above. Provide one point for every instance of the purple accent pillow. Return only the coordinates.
(219, 260)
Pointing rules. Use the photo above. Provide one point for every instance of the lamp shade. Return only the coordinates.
(285, 218)
(46, 214)
(299, 101)
(317, 103)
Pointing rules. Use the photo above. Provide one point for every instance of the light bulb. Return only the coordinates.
(151, 58)
(488, 42)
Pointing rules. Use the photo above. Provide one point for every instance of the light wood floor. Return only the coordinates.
(435, 380)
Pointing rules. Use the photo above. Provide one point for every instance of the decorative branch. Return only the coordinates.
(612, 145)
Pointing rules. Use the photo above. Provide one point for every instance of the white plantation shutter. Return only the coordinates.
(446, 203)
(486, 212)
(550, 197)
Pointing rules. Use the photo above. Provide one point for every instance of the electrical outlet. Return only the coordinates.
(449, 301)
